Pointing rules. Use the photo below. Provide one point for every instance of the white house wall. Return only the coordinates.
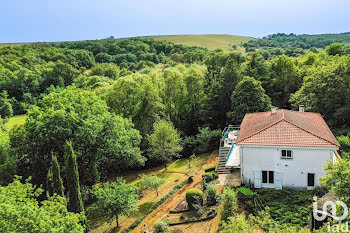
(294, 171)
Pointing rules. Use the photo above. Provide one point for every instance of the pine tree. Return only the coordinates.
(56, 177)
(75, 203)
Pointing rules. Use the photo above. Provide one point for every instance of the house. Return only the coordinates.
(279, 148)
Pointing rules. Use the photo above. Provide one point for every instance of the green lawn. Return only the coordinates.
(182, 165)
(210, 41)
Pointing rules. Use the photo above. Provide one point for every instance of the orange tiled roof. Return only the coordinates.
(286, 128)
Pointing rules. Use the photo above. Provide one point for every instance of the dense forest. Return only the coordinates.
(100, 108)
(295, 45)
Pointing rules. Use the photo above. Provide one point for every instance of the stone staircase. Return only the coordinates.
(223, 151)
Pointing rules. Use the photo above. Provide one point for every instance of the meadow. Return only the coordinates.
(210, 41)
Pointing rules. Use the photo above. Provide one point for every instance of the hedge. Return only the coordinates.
(211, 214)
(209, 176)
(210, 169)
(194, 196)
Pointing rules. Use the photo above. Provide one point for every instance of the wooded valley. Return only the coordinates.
(92, 111)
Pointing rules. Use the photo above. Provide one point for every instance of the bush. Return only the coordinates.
(209, 176)
(86, 195)
(189, 144)
(210, 169)
(194, 198)
(236, 224)
(320, 191)
(243, 191)
(190, 179)
(160, 227)
(206, 140)
(230, 204)
(212, 196)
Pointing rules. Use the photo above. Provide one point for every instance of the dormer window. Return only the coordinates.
(286, 154)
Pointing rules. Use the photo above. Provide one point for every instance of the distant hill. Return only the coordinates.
(305, 41)
(11, 44)
(209, 41)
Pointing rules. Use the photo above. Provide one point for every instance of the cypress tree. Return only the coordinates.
(56, 177)
(75, 203)
(48, 183)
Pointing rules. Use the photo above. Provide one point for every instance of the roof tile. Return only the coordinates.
(286, 128)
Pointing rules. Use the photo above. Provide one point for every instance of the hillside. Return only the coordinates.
(11, 44)
(210, 42)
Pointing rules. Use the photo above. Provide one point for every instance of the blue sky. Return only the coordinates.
(53, 20)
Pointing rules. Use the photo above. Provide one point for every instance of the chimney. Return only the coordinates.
(273, 111)
(301, 108)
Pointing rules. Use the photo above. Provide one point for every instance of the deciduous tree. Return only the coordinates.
(338, 179)
(102, 141)
(149, 181)
(248, 97)
(164, 142)
(21, 212)
(115, 199)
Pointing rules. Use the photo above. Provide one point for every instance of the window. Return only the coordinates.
(286, 154)
(271, 177)
(268, 177)
(310, 179)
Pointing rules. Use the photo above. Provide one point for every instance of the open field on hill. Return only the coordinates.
(210, 41)
(11, 44)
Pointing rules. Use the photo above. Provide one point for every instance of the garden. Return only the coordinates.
(286, 206)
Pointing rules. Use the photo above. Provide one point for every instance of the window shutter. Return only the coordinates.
(278, 180)
(257, 179)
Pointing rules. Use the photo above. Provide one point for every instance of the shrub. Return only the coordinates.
(86, 195)
(209, 176)
(190, 179)
(230, 204)
(189, 144)
(320, 191)
(210, 169)
(160, 227)
(212, 196)
(236, 224)
(208, 139)
(244, 192)
(194, 198)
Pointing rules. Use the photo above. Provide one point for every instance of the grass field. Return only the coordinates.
(16, 120)
(210, 41)
(11, 44)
